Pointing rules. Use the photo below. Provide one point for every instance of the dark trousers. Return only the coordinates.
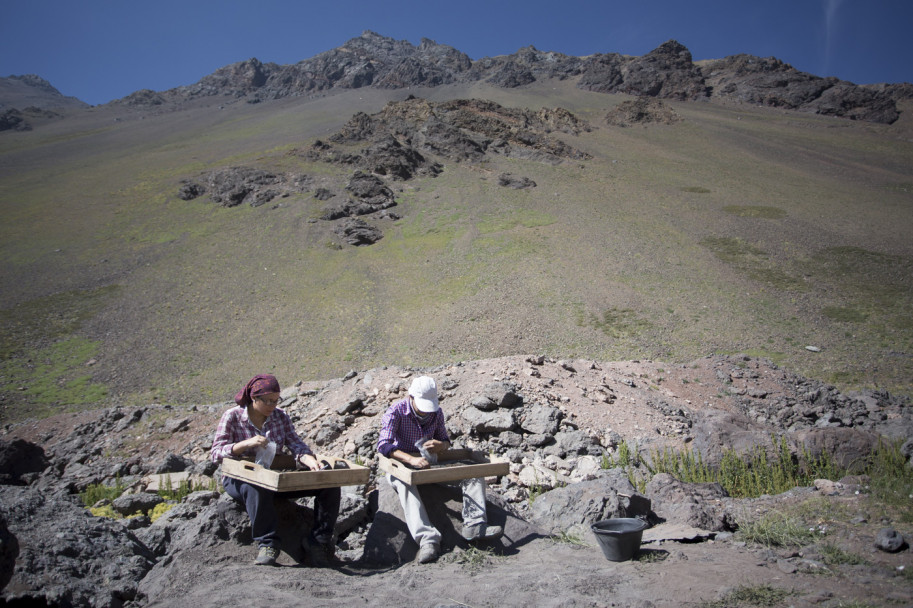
(262, 511)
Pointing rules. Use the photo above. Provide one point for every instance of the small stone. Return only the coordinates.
(889, 540)
(786, 566)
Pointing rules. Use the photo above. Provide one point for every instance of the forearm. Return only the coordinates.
(402, 456)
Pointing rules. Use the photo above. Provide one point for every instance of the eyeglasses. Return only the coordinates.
(272, 402)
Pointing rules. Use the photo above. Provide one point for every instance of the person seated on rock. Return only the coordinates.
(250, 427)
(404, 425)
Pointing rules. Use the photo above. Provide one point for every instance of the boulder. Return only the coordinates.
(143, 502)
(541, 419)
(848, 447)
(488, 422)
(575, 442)
(18, 458)
(587, 502)
(176, 425)
(174, 463)
(700, 505)
(353, 511)
(495, 395)
(889, 540)
(716, 432)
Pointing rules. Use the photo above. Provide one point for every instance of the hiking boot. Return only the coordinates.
(428, 553)
(482, 532)
(321, 555)
(267, 556)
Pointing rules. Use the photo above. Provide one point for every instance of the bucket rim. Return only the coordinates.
(640, 525)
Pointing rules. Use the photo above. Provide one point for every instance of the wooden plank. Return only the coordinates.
(290, 481)
(485, 467)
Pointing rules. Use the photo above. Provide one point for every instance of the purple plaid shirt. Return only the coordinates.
(236, 426)
(400, 428)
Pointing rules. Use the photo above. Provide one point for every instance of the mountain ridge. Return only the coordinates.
(667, 72)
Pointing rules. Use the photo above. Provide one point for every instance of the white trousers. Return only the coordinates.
(417, 520)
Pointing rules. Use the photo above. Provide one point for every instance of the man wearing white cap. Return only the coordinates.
(417, 422)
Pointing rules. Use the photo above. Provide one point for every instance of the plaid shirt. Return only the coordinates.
(401, 428)
(235, 426)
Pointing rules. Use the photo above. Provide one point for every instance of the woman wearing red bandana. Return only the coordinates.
(250, 427)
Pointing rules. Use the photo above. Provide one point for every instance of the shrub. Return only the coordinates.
(160, 509)
(776, 529)
(750, 475)
(96, 492)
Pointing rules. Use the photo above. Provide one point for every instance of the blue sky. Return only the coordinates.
(99, 50)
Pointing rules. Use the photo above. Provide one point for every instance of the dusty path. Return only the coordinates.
(543, 573)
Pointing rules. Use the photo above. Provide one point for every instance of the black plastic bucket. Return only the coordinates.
(619, 538)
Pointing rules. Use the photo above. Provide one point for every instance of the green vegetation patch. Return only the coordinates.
(777, 529)
(757, 211)
(748, 475)
(892, 480)
(877, 290)
(55, 375)
(752, 261)
(759, 595)
(844, 314)
(43, 359)
(527, 218)
(49, 318)
(617, 322)
(696, 189)
(832, 555)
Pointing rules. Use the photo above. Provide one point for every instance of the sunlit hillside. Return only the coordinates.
(737, 229)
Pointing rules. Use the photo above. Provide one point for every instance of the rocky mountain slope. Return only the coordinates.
(30, 99)
(668, 72)
(558, 422)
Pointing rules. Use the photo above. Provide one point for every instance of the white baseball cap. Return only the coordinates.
(424, 392)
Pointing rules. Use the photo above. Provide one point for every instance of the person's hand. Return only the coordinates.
(310, 462)
(257, 441)
(418, 462)
(435, 447)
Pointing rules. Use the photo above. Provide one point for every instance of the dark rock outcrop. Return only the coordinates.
(12, 120)
(467, 129)
(9, 551)
(517, 183)
(771, 82)
(358, 232)
(233, 186)
(665, 72)
(643, 110)
(67, 557)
